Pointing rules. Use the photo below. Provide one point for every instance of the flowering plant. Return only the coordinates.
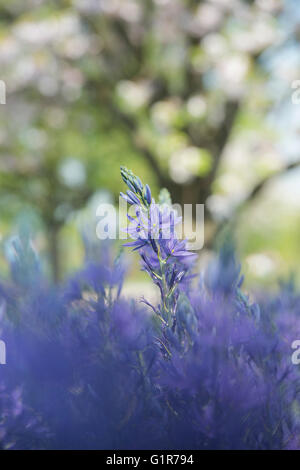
(164, 257)
(86, 369)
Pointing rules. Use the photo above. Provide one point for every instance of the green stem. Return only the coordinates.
(165, 297)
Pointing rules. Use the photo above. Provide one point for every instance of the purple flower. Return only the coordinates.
(164, 257)
(131, 198)
(176, 248)
(154, 223)
(148, 194)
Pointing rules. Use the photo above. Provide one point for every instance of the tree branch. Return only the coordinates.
(130, 123)
(256, 190)
(261, 185)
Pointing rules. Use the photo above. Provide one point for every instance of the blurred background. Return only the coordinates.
(194, 96)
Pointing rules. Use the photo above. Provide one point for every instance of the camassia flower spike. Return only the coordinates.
(152, 228)
(137, 193)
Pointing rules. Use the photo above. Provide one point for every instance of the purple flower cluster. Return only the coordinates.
(164, 257)
(82, 358)
(206, 369)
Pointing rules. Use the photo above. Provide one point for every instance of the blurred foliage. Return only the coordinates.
(184, 92)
